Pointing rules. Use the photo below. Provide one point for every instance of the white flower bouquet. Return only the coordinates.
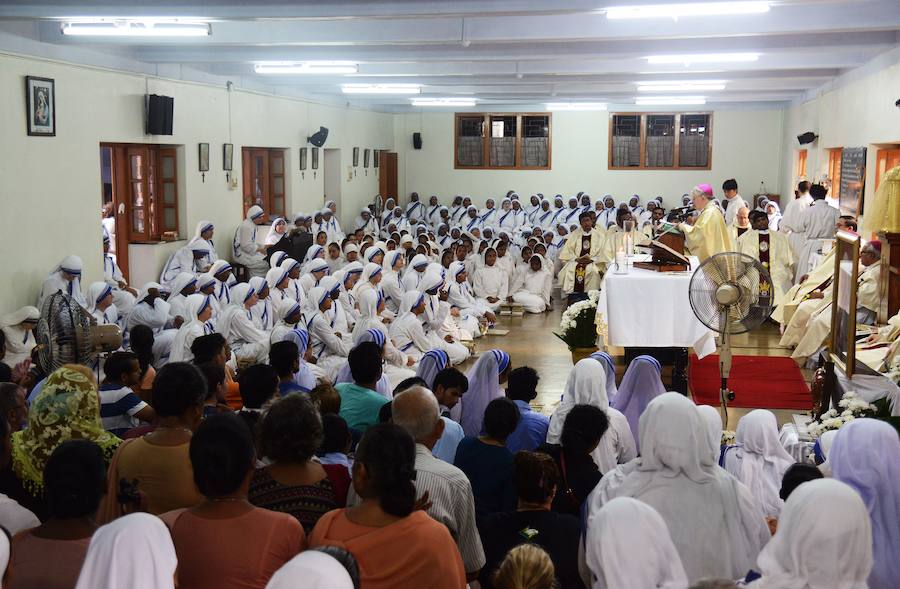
(577, 323)
(850, 407)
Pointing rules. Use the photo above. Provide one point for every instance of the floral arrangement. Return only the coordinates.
(728, 438)
(578, 323)
(852, 408)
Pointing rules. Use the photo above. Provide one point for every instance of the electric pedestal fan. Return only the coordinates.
(730, 293)
(67, 334)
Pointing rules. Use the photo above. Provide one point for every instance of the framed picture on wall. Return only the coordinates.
(228, 157)
(40, 106)
(366, 157)
(302, 158)
(204, 157)
(315, 158)
(355, 157)
(377, 153)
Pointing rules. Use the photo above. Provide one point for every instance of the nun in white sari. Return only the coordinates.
(199, 309)
(406, 330)
(533, 286)
(391, 283)
(759, 460)
(490, 281)
(485, 377)
(328, 349)
(18, 327)
(279, 285)
(294, 290)
(236, 324)
(586, 385)
(184, 285)
(244, 248)
(441, 329)
(289, 313)
(204, 233)
(615, 531)
(716, 525)
(824, 539)
(100, 304)
(66, 277)
(313, 272)
(397, 364)
(459, 295)
(152, 311)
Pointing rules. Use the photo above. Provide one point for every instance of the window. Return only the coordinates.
(886, 159)
(502, 141)
(834, 170)
(145, 179)
(264, 180)
(801, 163)
(654, 141)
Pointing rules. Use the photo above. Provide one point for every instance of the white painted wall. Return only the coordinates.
(50, 186)
(855, 110)
(745, 147)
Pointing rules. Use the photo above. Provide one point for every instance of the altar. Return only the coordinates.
(647, 309)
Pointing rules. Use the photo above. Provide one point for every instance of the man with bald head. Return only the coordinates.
(442, 485)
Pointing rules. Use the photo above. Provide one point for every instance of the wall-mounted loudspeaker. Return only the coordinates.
(417, 140)
(807, 137)
(160, 113)
(318, 138)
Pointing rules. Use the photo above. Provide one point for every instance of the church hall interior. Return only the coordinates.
(508, 265)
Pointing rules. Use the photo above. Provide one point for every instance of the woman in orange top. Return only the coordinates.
(373, 530)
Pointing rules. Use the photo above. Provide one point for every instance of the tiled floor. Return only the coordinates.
(531, 342)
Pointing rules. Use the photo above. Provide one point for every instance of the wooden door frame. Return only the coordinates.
(120, 205)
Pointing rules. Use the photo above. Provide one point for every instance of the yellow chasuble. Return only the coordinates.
(572, 276)
(709, 235)
(776, 254)
(615, 240)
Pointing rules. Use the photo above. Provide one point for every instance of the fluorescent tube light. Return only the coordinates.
(443, 101)
(704, 58)
(674, 100)
(381, 88)
(136, 28)
(691, 9)
(306, 67)
(576, 106)
(680, 86)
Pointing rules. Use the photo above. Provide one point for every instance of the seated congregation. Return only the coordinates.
(311, 426)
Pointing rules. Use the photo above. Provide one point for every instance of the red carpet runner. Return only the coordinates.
(758, 382)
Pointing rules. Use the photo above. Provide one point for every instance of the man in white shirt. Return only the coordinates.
(793, 215)
(445, 487)
(817, 224)
(734, 200)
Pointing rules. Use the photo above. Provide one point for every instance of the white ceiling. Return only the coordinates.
(505, 53)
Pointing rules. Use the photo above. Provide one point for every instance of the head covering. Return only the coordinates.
(26, 313)
(205, 281)
(484, 387)
(641, 384)
(713, 420)
(430, 281)
(675, 439)
(70, 265)
(202, 227)
(586, 385)
(218, 267)
(97, 291)
(277, 259)
(604, 359)
(763, 459)
(391, 258)
(196, 304)
(369, 270)
(182, 281)
(613, 535)
(866, 456)
(432, 362)
(254, 212)
(275, 276)
(419, 260)
(134, 551)
(67, 408)
(312, 570)
(314, 251)
(300, 337)
(287, 307)
(824, 539)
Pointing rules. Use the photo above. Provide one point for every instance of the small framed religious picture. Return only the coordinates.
(315, 158)
(366, 157)
(355, 157)
(377, 153)
(40, 106)
(302, 158)
(204, 157)
(842, 344)
(228, 156)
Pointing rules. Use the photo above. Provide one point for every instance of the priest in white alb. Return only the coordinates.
(818, 225)
(773, 251)
(581, 258)
(709, 234)
(793, 215)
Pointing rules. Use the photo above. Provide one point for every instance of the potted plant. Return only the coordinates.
(578, 327)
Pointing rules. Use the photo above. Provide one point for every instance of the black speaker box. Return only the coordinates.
(417, 140)
(807, 137)
(160, 114)
(318, 138)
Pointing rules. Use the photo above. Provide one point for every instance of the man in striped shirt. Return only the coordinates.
(120, 408)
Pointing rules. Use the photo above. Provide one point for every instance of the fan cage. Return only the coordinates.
(754, 304)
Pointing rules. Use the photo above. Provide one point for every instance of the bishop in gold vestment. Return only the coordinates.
(708, 235)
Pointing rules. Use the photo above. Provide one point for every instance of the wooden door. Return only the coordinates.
(255, 164)
(137, 165)
(120, 202)
(387, 180)
(887, 159)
